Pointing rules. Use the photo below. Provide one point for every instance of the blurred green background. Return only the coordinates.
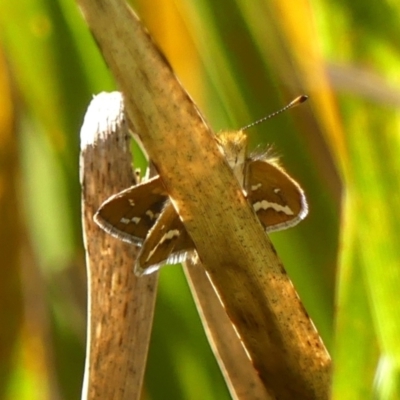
(239, 60)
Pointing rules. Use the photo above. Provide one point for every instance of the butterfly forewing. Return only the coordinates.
(167, 243)
(130, 214)
(143, 215)
(278, 200)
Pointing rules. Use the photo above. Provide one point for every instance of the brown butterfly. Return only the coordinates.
(143, 214)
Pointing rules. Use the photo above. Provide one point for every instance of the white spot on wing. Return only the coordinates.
(295, 219)
(170, 235)
(256, 187)
(150, 214)
(131, 202)
(264, 205)
(167, 236)
(125, 221)
(135, 220)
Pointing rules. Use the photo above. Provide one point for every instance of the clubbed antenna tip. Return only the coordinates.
(294, 103)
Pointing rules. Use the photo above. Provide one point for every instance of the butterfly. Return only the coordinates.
(144, 216)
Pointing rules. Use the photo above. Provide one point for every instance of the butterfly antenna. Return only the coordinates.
(294, 103)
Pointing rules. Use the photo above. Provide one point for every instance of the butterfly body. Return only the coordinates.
(144, 216)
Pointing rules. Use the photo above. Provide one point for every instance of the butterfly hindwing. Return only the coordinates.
(167, 243)
(277, 199)
(130, 214)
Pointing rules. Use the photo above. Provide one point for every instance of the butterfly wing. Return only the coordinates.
(277, 199)
(130, 214)
(167, 243)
